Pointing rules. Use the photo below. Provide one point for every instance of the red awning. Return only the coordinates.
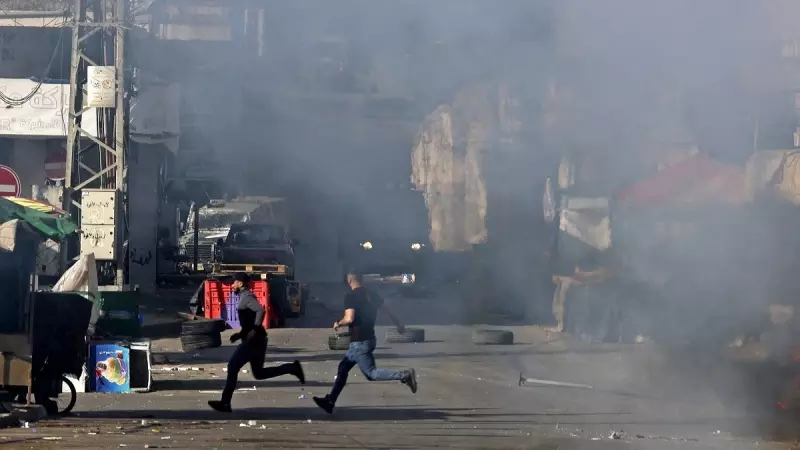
(695, 179)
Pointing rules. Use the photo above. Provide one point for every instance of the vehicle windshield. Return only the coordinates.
(221, 220)
(256, 235)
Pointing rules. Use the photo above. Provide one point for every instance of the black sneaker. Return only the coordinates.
(410, 380)
(217, 405)
(324, 403)
(298, 372)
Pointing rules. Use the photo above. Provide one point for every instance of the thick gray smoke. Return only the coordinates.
(624, 85)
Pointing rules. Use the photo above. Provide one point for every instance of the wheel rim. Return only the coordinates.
(65, 401)
(62, 401)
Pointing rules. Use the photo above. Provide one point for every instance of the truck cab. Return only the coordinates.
(254, 244)
(264, 251)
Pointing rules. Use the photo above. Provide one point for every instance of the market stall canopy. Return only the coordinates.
(697, 179)
(38, 206)
(47, 225)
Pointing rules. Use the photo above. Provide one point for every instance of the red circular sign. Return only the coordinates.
(55, 166)
(10, 186)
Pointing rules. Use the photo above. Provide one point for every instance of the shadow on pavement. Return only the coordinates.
(219, 383)
(274, 414)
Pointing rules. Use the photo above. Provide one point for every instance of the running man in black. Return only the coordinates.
(360, 311)
(253, 347)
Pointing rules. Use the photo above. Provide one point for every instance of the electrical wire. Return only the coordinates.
(11, 102)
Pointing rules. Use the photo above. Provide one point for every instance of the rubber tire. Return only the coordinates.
(412, 335)
(339, 342)
(493, 337)
(71, 392)
(202, 326)
(191, 343)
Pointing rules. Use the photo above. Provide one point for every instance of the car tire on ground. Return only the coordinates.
(411, 335)
(194, 342)
(339, 341)
(493, 337)
(202, 326)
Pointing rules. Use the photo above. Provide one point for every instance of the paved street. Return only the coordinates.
(469, 398)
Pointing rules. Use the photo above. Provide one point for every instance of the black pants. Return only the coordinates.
(252, 351)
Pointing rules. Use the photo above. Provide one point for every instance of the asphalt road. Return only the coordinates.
(469, 397)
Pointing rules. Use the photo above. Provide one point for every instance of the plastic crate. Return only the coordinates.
(219, 304)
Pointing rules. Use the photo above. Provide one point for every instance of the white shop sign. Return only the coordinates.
(46, 114)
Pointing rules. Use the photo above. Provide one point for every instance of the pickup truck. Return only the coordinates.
(264, 251)
(256, 244)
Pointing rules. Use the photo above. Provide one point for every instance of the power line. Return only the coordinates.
(11, 102)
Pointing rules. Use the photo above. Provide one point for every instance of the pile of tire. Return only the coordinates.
(339, 341)
(493, 337)
(410, 335)
(201, 334)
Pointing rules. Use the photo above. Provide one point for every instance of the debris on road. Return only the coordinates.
(524, 380)
(178, 369)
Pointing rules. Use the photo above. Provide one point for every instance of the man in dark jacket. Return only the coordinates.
(253, 346)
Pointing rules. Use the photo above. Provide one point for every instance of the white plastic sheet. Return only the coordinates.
(82, 277)
(8, 235)
(587, 220)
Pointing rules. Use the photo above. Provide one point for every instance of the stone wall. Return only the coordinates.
(448, 161)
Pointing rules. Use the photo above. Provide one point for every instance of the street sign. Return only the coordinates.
(101, 87)
(55, 165)
(10, 186)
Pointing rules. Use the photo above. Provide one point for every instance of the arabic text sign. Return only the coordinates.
(101, 86)
(46, 114)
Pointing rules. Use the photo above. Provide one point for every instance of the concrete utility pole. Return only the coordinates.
(104, 174)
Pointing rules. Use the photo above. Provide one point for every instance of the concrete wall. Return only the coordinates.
(143, 215)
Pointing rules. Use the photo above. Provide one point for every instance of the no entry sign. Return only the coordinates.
(10, 185)
(55, 165)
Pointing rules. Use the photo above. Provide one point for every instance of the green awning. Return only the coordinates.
(48, 226)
